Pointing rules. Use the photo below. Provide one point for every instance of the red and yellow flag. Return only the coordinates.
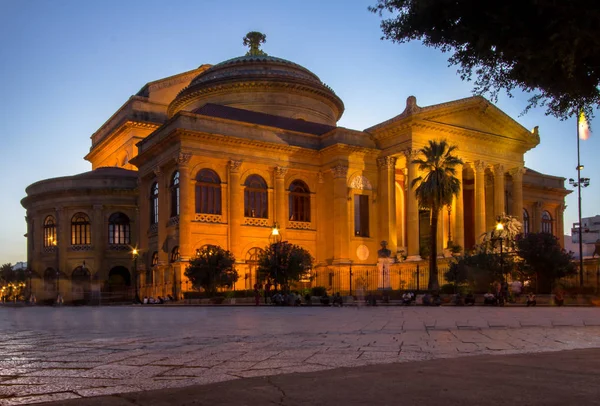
(584, 128)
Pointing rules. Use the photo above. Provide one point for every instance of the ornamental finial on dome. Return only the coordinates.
(253, 40)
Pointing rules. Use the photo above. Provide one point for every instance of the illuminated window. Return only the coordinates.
(175, 194)
(546, 222)
(299, 201)
(154, 203)
(49, 232)
(208, 192)
(175, 254)
(525, 222)
(255, 197)
(119, 230)
(252, 276)
(154, 259)
(81, 230)
(361, 215)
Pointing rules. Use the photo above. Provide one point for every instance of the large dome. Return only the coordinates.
(264, 84)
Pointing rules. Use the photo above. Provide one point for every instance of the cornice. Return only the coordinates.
(123, 127)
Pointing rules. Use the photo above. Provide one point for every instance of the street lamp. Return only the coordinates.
(275, 239)
(499, 229)
(135, 254)
(582, 182)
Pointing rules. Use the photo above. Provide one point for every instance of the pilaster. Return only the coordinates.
(412, 207)
(340, 214)
(186, 208)
(458, 236)
(236, 208)
(99, 237)
(387, 202)
(280, 206)
(163, 215)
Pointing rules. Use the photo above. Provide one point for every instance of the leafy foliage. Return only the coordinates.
(480, 270)
(507, 236)
(212, 268)
(548, 48)
(544, 259)
(284, 263)
(435, 189)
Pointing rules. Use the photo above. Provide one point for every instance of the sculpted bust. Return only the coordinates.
(384, 252)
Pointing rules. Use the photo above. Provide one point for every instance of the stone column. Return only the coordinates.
(517, 192)
(387, 202)
(340, 214)
(99, 238)
(458, 236)
(536, 221)
(281, 215)
(163, 216)
(236, 208)
(186, 209)
(499, 195)
(412, 208)
(479, 168)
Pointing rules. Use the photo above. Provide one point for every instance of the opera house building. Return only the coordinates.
(219, 154)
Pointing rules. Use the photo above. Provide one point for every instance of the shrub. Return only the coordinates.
(318, 291)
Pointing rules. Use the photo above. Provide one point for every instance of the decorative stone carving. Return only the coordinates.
(361, 182)
(81, 248)
(118, 247)
(208, 218)
(562, 208)
(517, 173)
(410, 154)
(386, 162)
(321, 177)
(153, 229)
(300, 225)
(499, 170)
(173, 221)
(479, 166)
(234, 166)
(257, 222)
(339, 171)
(411, 106)
(362, 252)
(183, 158)
(157, 171)
(280, 172)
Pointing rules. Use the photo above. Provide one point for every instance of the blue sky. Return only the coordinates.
(68, 65)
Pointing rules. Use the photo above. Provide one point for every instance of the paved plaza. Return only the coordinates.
(55, 354)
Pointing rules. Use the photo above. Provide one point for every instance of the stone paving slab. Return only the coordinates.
(62, 353)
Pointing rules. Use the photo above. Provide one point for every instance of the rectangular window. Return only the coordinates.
(361, 215)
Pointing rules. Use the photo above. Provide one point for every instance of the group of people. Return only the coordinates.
(158, 300)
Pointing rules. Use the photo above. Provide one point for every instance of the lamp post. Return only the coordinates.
(275, 239)
(500, 228)
(581, 182)
(135, 254)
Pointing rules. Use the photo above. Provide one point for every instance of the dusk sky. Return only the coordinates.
(67, 66)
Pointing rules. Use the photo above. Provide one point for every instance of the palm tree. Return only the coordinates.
(434, 189)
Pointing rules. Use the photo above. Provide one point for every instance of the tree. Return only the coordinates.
(550, 49)
(435, 189)
(284, 263)
(212, 268)
(6, 273)
(544, 259)
(479, 270)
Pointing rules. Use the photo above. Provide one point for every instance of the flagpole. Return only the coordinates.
(579, 204)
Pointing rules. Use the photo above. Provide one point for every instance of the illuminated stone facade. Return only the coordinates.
(223, 152)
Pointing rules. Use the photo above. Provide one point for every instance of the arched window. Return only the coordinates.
(150, 270)
(299, 201)
(49, 232)
(525, 222)
(208, 192)
(154, 203)
(546, 222)
(175, 254)
(175, 194)
(119, 229)
(81, 230)
(252, 276)
(255, 197)
(154, 259)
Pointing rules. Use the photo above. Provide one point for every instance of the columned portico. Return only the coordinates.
(412, 208)
(479, 168)
(387, 197)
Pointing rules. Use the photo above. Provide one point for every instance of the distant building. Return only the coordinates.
(19, 266)
(590, 235)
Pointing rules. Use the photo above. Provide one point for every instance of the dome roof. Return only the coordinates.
(265, 84)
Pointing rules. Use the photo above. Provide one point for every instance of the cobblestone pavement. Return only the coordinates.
(64, 353)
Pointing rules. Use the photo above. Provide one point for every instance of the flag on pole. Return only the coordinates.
(584, 128)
